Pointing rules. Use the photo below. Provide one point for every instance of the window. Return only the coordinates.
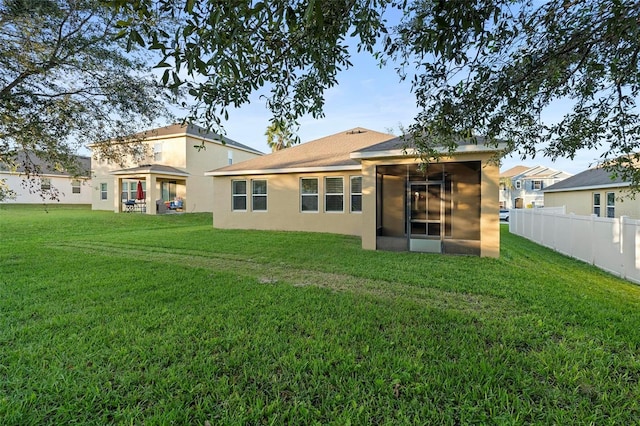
(518, 184)
(45, 184)
(334, 194)
(356, 193)
(157, 152)
(103, 191)
(596, 203)
(537, 185)
(124, 195)
(239, 195)
(75, 186)
(229, 157)
(309, 194)
(130, 190)
(611, 204)
(259, 195)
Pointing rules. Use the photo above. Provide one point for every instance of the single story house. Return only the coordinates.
(369, 184)
(170, 172)
(51, 183)
(593, 191)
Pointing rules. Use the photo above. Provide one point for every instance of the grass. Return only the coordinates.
(132, 319)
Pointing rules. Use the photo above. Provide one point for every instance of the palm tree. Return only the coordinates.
(279, 136)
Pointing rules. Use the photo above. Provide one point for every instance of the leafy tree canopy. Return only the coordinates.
(485, 67)
(66, 79)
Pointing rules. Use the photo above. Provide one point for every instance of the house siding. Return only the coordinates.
(580, 202)
(180, 151)
(283, 205)
(28, 194)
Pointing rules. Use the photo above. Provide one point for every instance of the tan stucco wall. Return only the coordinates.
(283, 206)
(581, 202)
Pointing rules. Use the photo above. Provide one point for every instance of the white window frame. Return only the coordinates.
(45, 184)
(536, 185)
(255, 195)
(354, 194)
(157, 151)
(518, 184)
(334, 195)
(104, 194)
(315, 195)
(597, 203)
(238, 195)
(75, 186)
(611, 204)
(229, 157)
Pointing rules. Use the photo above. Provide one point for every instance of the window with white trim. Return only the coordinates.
(611, 204)
(75, 186)
(229, 157)
(333, 194)
(259, 195)
(356, 194)
(45, 184)
(103, 191)
(239, 195)
(596, 203)
(537, 185)
(157, 151)
(125, 191)
(518, 184)
(309, 194)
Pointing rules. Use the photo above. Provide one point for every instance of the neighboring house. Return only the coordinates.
(593, 192)
(172, 170)
(369, 184)
(522, 186)
(50, 185)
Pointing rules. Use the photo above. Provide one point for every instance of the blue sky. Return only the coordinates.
(368, 97)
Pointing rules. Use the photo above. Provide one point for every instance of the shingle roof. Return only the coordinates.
(400, 143)
(46, 167)
(596, 177)
(329, 151)
(536, 172)
(152, 169)
(514, 171)
(195, 131)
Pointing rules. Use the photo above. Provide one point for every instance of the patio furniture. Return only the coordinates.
(129, 206)
(176, 205)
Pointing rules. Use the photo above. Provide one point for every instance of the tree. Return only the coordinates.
(497, 68)
(487, 67)
(66, 80)
(279, 136)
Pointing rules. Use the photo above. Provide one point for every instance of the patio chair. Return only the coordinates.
(129, 205)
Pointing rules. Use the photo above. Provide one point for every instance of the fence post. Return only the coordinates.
(593, 240)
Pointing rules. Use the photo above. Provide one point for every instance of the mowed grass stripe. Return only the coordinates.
(267, 273)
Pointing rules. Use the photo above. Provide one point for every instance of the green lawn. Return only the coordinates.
(136, 319)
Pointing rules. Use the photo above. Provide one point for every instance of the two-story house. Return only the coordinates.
(171, 170)
(522, 186)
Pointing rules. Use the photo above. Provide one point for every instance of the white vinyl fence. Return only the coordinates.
(612, 244)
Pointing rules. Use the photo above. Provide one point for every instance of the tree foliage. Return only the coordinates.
(496, 68)
(501, 69)
(279, 136)
(66, 80)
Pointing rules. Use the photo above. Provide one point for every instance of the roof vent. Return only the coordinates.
(356, 132)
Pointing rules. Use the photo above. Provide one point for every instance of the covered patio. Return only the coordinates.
(161, 186)
(434, 208)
